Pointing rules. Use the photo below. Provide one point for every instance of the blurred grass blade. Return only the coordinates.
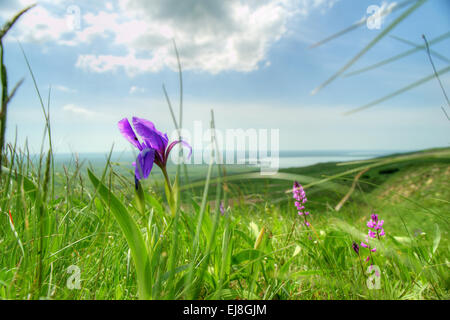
(180, 74)
(140, 197)
(434, 70)
(382, 34)
(396, 93)
(14, 90)
(29, 186)
(436, 240)
(340, 33)
(277, 176)
(178, 125)
(212, 233)
(46, 115)
(380, 162)
(360, 23)
(446, 114)
(132, 234)
(399, 56)
(201, 215)
(350, 191)
(259, 238)
(434, 53)
(13, 229)
(7, 26)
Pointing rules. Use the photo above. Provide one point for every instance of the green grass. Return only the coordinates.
(84, 226)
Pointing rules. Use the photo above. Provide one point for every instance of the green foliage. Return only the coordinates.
(132, 234)
(124, 253)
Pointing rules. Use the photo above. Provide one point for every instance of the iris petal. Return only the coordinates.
(146, 129)
(128, 133)
(173, 144)
(144, 163)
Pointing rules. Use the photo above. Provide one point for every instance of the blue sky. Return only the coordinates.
(250, 61)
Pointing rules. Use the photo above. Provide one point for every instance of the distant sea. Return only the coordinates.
(307, 158)
(287, 158)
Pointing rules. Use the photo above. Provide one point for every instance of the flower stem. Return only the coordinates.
(360, 263)
(290, 233)
(166, 177)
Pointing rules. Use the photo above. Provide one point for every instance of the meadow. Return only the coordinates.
(80, 230)
(257, 248)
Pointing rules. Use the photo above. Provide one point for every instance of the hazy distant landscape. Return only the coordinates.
(287, 159)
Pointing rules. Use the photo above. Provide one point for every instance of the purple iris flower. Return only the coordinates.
(153, 148)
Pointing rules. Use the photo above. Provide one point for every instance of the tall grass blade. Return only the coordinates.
(380, 162)
(178, 125)
(436, 239)
(217, 210)
(398, 92)
(410, 43)
(43, 223)
(14, 231)
(132, 234)
(360, 23)
(370, 45)
(400, 56)
(8, 25)
(201, 214)
(30, 187)
(278, 176)
(435, 72)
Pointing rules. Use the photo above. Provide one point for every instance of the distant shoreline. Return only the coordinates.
(288, 158)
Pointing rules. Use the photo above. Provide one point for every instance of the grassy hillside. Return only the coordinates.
(257, 249)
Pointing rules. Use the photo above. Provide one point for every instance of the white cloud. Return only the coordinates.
(64, 89)
(135, 89)
(39, 25)
(212, 36)
(130, 63)
(109, 6)
(76, 110)
(306, 6)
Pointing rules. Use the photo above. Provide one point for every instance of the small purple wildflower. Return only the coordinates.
(355, 247)
(222, 209)
(375, 231)
(300, 196)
